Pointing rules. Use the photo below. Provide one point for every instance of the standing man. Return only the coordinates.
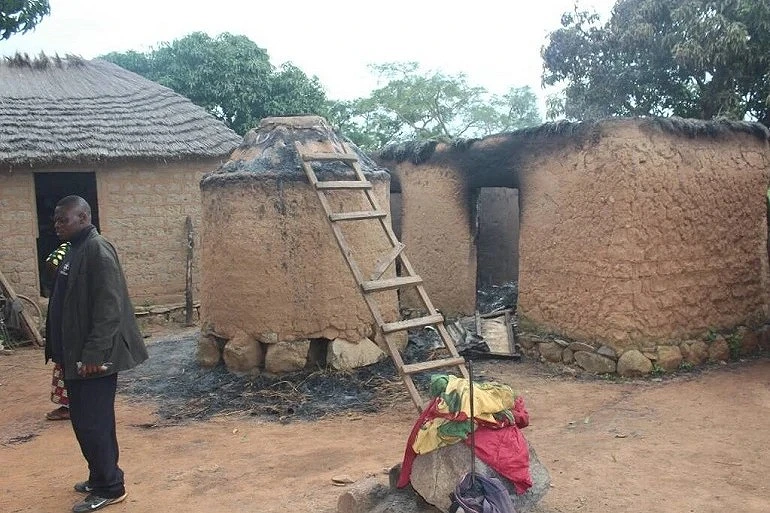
(92, 334)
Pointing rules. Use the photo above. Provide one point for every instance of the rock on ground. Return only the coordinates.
(435, 475)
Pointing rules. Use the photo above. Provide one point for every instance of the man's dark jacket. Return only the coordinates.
(98, 323)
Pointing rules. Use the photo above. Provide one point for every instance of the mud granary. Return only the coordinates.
(633, 232)
(131, 147)
(276, 292)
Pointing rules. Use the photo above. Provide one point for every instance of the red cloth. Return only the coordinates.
(502, 446)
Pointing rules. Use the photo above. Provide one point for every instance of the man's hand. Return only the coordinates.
(89, 369)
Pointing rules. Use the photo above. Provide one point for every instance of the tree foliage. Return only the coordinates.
(690, 58)
(413, 104)
(20, 16)
(230, 76)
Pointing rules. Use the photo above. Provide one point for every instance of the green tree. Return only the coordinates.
(691, 58)
(228, 75)
(413, 104)
(20, 16)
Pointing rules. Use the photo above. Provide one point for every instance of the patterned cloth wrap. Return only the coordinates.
(493, 405)
(58, 390)
(58, 254)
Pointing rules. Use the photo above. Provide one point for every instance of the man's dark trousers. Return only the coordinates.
(92, 412)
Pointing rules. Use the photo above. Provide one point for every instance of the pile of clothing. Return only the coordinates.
(499, 415)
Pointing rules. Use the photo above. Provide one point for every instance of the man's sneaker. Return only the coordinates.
(94, 502)
(83, 487)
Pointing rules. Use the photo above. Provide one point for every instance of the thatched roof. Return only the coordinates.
(56, 110)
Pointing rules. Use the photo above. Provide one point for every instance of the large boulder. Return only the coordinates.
(435, 475)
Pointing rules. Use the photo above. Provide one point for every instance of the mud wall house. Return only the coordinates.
(133, 148)
(633, 232)
(276, 291)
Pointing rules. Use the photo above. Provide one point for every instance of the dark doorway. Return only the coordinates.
(49, 189)
(497, 213)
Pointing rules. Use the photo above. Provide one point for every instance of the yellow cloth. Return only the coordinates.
(488, 399)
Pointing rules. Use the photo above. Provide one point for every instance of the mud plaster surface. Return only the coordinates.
(645, 236)
(271, 264)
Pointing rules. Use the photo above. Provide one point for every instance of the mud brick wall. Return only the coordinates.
(18, 231)
(643, 235)
(438, 228)
(498, 240)
(271, 266)
(142, 210)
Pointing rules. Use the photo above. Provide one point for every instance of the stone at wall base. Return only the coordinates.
(208, 353)
(242, 353)
(284, 357)
(342, 355)
(633, 363)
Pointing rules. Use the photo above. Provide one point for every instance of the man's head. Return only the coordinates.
(71, 216)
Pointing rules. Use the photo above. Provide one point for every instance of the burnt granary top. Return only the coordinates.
(268, 152)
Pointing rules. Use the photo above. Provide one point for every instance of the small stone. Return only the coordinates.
(551, 351)
(650, 355)
(268, 338)
(764, 338)
(669, 358)
(719, 350)
(695, 352)
(528, 341)
(633, 363)
(594, 363)
(562, 343)
(581, 346)
(749, 341)
(608, 352)
(567, 356)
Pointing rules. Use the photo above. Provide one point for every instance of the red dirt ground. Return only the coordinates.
(693, 443)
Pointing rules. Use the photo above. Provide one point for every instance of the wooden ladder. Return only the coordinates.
(374, 283)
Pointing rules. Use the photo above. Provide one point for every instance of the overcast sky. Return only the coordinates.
(496, 43)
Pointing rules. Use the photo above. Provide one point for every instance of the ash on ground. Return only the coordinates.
(184, 390)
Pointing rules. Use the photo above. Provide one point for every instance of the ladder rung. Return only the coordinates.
(417, 322)
(353, 184)
(354, 216)
(329, 157)
(390, 283)
(413, 368)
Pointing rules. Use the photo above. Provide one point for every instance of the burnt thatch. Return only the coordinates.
(578, 133)
(55, 110)
(268, 153)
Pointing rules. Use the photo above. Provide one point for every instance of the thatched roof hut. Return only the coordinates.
(133, 148)
(274, 280)
(632, 230)
(70, 110)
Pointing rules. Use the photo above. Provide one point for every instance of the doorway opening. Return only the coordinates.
(49, 189)
(497, 247)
